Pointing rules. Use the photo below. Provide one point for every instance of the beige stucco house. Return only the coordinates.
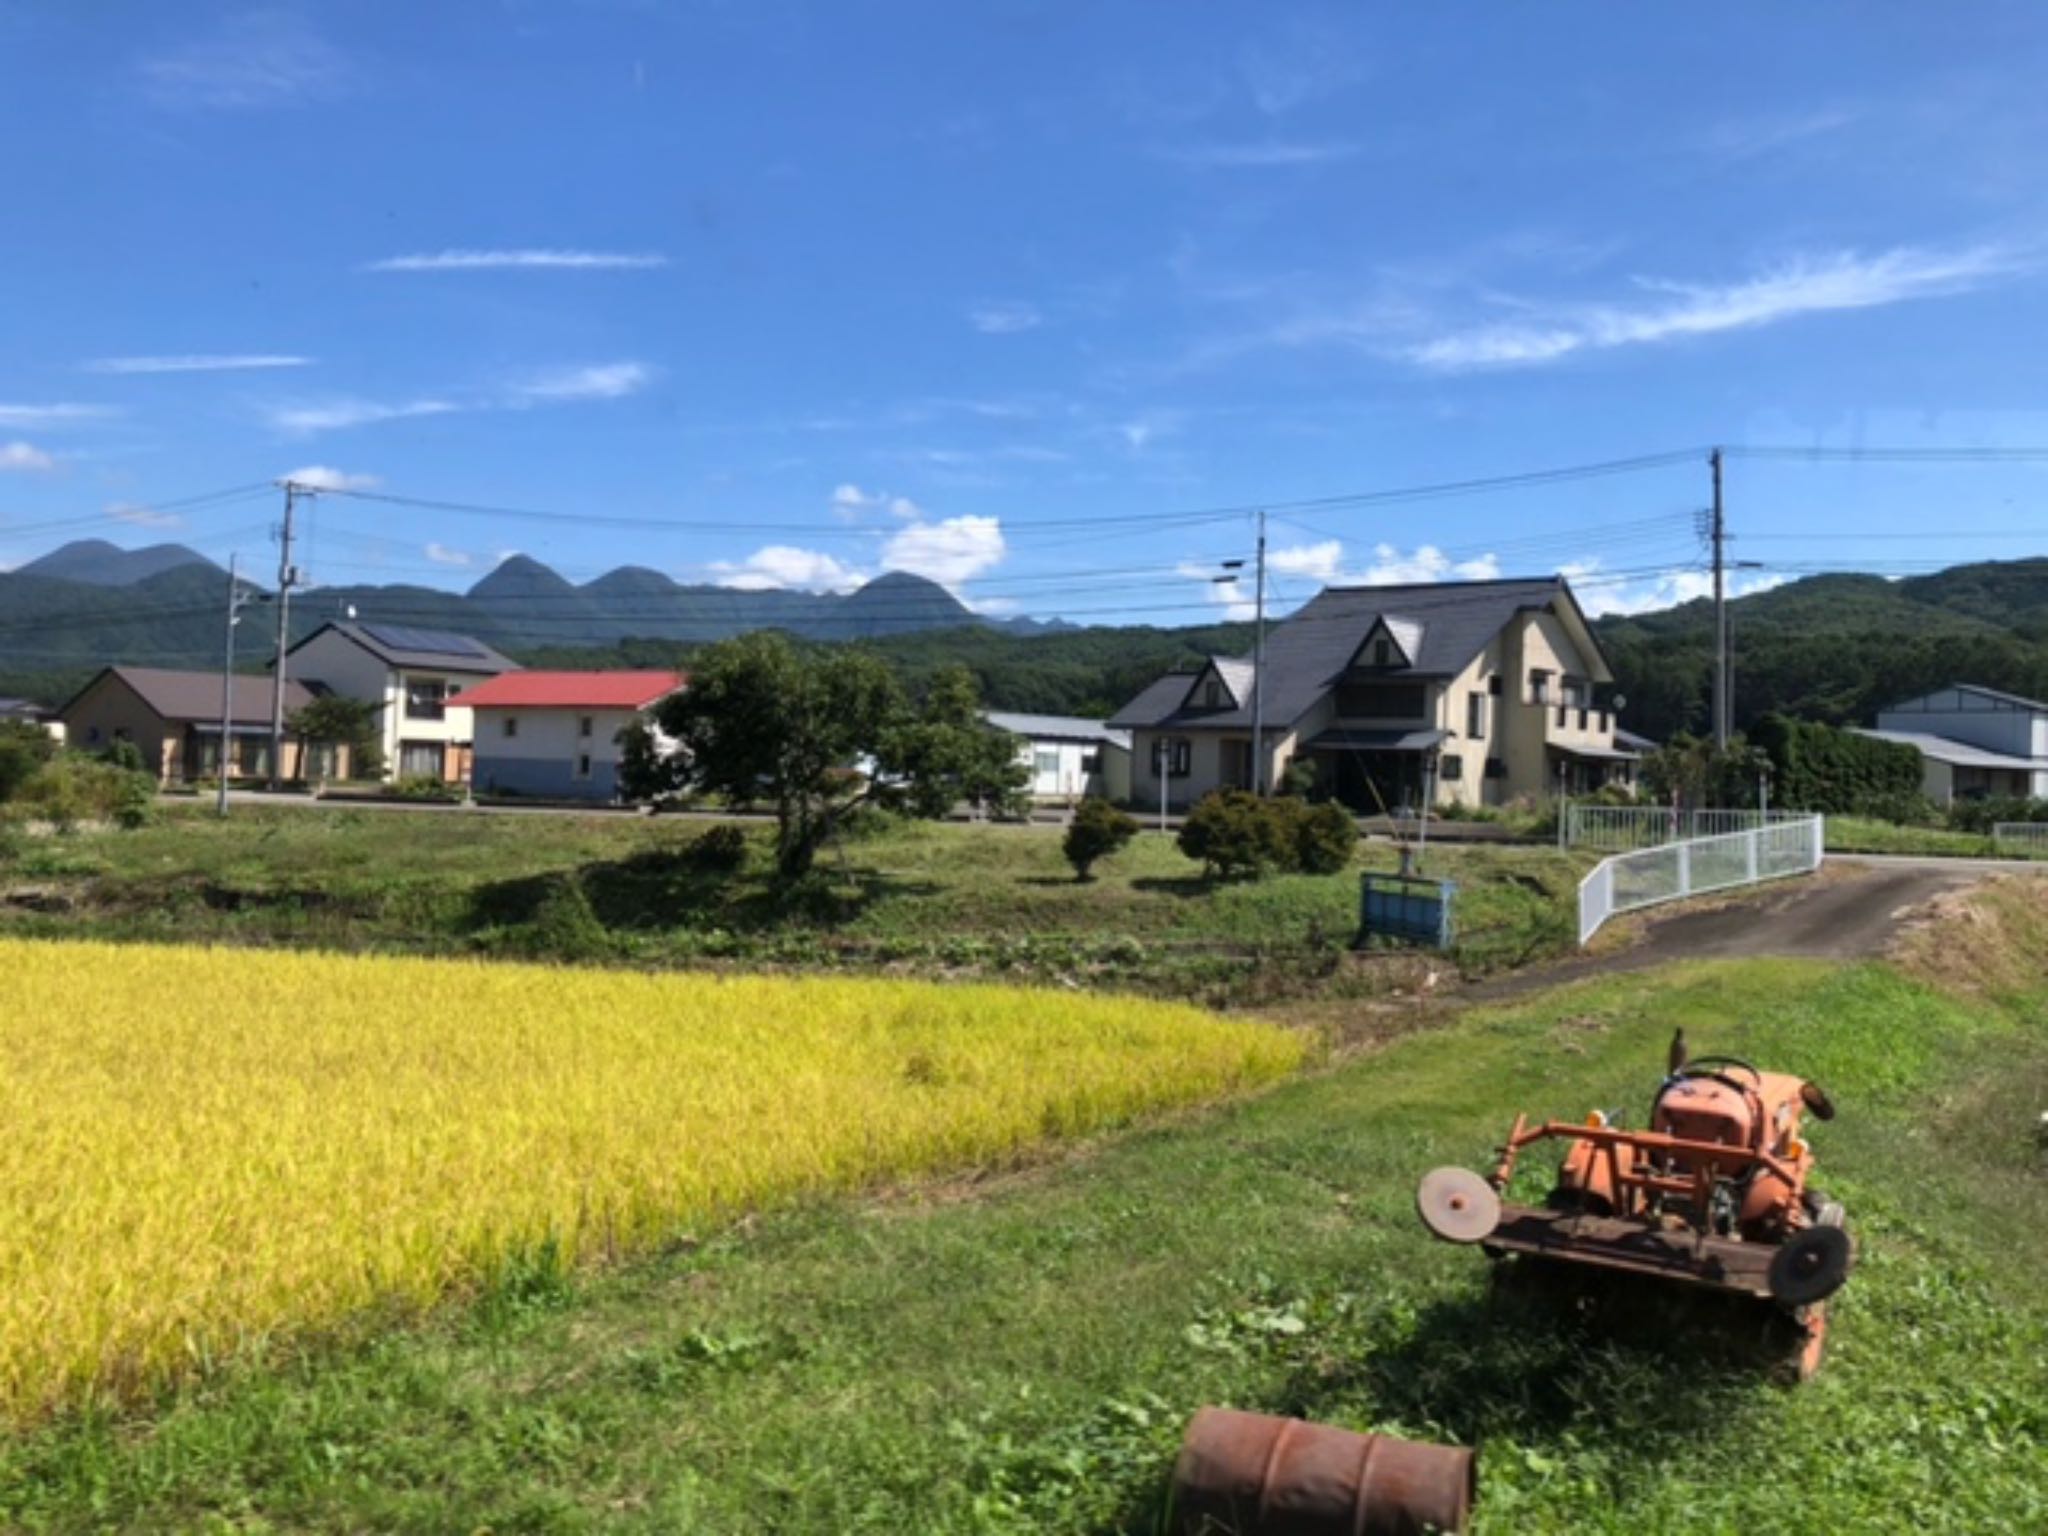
(174, 720)
(1469, 693)
(412, 676)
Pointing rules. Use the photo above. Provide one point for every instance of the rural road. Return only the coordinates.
(1850, 911)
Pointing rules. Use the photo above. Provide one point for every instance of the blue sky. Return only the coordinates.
(988, 291)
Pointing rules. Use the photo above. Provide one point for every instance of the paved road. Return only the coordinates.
(1850, 911)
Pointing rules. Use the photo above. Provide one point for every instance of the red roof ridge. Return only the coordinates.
(543, 689)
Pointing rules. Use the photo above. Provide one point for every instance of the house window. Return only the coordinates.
(1180, 756)
(1212, 694)
(1539, 685)
(1450, 769)
(1475, 715)
(93, 735)
(511, 726)
(583, 726)
(1383, 653)
(426, 698)
(1044, 763)
(1493, 685)
(583, 765)
(1496, 768)
(420, 760)
(1091, 762)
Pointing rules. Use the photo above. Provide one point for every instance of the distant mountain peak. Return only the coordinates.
(520, 576)
(97, 563)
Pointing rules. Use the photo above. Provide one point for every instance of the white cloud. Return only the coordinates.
(322, 477)
(196, 362)
(143, 516)
(905, 508)
(24, 456)
(950, 551)
(1261, 155)
(442, 554)
(849, 498)
(1599, 595)
(1746, 138)
(1233, 595)
(264, 58)
(331, 415)
(522, 259)
(1005, 319)
(1140, 432)
(597, 381)
(1326, 562)
(784, 565)
(48, 416)
(1805, 285)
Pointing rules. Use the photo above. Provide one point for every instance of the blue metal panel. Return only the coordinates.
(542, 778)
(1404, 907)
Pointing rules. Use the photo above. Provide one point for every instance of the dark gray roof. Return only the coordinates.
(1377, 741)
(1448, 622)
(195, 696)
(440, 650)
(1632, 742)
(1055, 727)
(1960, 754)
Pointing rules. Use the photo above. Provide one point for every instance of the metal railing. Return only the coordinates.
(1624, 828)
(2027, 837)
(1696, 866)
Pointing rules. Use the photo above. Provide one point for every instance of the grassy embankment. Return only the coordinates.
(994, 901)
(1022, 1355)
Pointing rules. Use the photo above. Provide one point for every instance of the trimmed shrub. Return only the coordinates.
(719, 850)
(1098, 830)
(1324, 837)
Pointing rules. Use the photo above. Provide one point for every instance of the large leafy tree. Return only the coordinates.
(817, 733)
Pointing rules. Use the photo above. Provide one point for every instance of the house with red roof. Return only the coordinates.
(555, 735)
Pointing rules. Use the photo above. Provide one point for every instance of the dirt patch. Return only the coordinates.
(1980, 940)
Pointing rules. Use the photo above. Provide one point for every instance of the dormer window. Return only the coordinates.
(1212, 694)
(1383, 652)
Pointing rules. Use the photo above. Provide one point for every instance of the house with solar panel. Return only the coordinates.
(556, 735)
(412, 677)
(1468, 692)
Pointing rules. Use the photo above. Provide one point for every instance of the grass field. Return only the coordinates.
(1021, 1354)
(994, 901)
(1865, 834)
(211, 1147)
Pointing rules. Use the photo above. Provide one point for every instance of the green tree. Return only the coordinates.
(1235, 834)
(763, 722)
(1098, 830)
(645, 771)
(332, 720)
(24, 749)
(947, 754)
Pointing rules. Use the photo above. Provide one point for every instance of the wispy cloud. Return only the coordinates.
(1142, 431)
(594, 381)
(263, 58)
(442, 554)
(49, 416)
(24, 456)
(1007, 318)
(333, 415)
(1805, 285)
(1600, 594)
(324, 477)
(522, 259)
(198, 362)
(1747, 137)
(143, 516)
(1261, 154)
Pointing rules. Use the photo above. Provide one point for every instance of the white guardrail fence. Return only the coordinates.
(1694, 866)
(1624, 828)
(2027, 837)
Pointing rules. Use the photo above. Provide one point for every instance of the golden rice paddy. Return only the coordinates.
(206, 1148)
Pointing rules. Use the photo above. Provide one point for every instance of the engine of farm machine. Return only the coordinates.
(1714, 1193)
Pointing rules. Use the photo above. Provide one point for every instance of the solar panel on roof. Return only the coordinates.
(402, 637)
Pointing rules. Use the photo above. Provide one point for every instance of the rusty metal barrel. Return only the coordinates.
(1247, 1474)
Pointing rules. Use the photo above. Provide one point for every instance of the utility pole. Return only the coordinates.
(1724, 712)
(287, 578)
(227, 689)
(1259, 668)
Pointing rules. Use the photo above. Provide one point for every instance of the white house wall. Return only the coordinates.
(545, 757)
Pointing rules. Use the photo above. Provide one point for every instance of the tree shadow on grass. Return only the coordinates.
(1186, 887)
(1546, 1359)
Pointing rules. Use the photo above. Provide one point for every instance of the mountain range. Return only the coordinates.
(1831, 647)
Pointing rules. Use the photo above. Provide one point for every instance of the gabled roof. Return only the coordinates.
(194, 697)
(1305, 655)
(1994, 694)
(570, 690)
(1056, 727)
(404, 645)
(1960, 754)
(1237, 673)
